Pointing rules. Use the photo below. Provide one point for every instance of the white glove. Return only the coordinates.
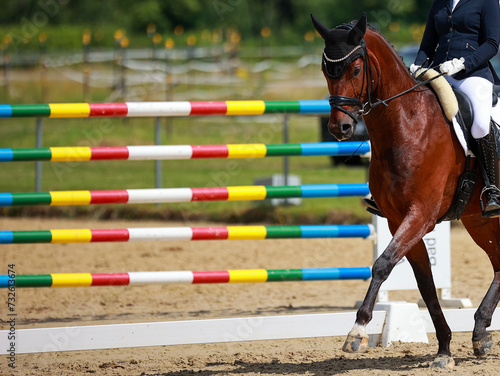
(414, 68)
(452, 67)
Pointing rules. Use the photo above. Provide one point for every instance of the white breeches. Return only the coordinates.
(480, 92)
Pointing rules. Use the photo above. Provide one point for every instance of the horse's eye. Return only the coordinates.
(356, 71)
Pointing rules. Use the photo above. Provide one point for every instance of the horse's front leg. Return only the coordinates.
(408, 234)
(419, 260)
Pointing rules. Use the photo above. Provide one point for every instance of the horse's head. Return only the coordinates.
(346, 68)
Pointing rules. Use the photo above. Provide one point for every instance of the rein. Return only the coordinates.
(339, 101)
(384, 102)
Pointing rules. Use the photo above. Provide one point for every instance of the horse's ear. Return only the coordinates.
(322, 29)
(357, 33)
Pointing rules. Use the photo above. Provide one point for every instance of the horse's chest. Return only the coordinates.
(392, 173)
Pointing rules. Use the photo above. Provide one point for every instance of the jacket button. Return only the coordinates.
(449, 40)
(451, 29)
(449, 17)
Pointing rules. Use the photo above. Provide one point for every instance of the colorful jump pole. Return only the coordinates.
(163, 109)
(170, 195)
(177, 152)
(189, 277)
(187, 233)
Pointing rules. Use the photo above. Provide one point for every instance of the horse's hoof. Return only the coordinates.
(483, 346)
(443, 362)
(355, 344)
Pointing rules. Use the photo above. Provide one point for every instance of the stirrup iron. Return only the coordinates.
(492, 209)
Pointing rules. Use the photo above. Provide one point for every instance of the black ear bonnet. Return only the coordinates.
(343, 45)
(339, 53)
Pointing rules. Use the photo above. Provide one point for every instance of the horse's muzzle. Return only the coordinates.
(343, 130)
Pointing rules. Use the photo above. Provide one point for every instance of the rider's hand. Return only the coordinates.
(414, 68)
(452, 67)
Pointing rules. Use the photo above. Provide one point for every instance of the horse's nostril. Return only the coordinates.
(345, 128)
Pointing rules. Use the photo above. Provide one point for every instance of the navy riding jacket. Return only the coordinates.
(471, 31)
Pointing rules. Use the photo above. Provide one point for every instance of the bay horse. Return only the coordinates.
(415, 165)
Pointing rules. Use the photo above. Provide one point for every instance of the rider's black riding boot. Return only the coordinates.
(488, 160)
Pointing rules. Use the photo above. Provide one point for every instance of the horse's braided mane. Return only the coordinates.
(375, 30)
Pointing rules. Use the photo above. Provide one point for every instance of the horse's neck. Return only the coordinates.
(387, 123)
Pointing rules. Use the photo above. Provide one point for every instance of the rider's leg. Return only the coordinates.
(489, 160)
(480, 90)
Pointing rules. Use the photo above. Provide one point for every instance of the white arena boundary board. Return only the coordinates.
(437, 243)
(408, 320)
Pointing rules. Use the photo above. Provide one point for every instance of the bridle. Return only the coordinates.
(339, 101)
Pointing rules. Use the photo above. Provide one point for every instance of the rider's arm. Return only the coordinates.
(489, 34)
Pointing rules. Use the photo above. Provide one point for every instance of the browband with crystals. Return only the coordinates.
(334, 68)
(341, 59)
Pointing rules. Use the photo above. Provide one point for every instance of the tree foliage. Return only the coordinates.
(286, 18)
